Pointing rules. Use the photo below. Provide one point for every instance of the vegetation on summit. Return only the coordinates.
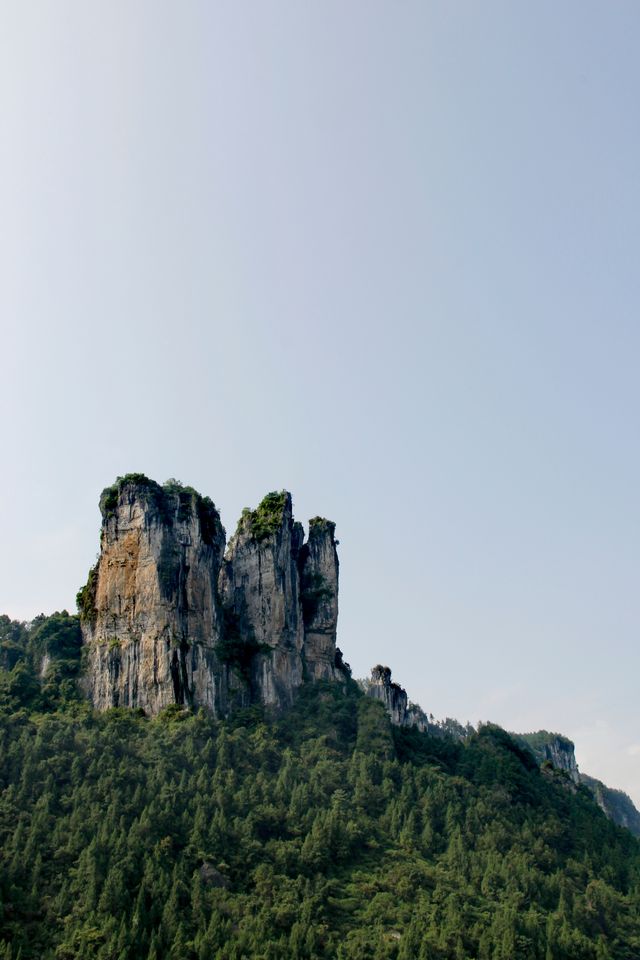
(266, 519)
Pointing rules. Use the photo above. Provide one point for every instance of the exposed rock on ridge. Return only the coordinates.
(553, 748)
(169, 618)
(392, 695)
(559, 751)
(403, 713)
(616, 804)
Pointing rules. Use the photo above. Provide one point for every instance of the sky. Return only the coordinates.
(381, 254)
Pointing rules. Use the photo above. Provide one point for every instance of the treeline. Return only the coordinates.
(322, 833)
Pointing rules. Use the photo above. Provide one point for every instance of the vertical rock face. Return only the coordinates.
(555, 749)
(151, 617)
(403, 713)
(260, 591)
(319, 594)
(561, 753)
(391, 694)
(614, 803)
(168, 618)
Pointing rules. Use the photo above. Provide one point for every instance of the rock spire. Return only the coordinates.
(169, 617)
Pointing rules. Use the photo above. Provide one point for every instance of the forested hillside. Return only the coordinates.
(321, 832)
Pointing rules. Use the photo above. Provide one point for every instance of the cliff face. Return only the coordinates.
(547, 748)
(616, 804)
(403, 713)
(560, 752)
(260, 590)
(168, 618)
(391, 694)
(553, 748)
(150, 614)
(318, 564)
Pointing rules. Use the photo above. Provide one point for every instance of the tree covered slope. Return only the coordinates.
(321, 832)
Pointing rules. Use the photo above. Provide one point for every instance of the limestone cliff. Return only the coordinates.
(552, 748)
(260, 590)
(169, 618)
(552, 751)
(280, 595)
(403, 713)
(616, 804)
(318, 564)
(150, 612)
(392, 695)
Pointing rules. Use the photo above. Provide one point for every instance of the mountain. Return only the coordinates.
(188, 771)
(551, 750)
(559, 751)
(172, 614)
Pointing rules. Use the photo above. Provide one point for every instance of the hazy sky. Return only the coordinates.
(384, 255)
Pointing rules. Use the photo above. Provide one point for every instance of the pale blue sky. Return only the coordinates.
(381, 254)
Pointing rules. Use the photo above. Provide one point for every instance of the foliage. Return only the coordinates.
(317, 833)
(86, 597)
(266, 519)
(110, 495)
(320, 524)
(44, 674)
(542, 738)
(13, 638)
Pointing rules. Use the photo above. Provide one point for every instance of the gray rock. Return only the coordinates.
(169, 618)
(318, 563)
(394, 697)
(260, 591)
(616, 804)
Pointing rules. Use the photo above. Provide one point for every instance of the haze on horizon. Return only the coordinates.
(383, 255)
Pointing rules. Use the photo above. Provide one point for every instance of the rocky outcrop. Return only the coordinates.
(559, 752)
(150, 613)
(552, 751)
(392, 695)
(616, 804)
(260, 591)
(552, 748)
(280, 596)
(169, 618)
(318, 564)
(403, 713)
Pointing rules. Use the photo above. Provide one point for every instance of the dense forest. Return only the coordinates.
(323, 832)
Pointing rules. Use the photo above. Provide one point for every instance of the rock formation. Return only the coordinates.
(394, 697)
(551, 750)
(554, 749)
(318, 564)
(403, 713)
(169, 618)
(616, 804)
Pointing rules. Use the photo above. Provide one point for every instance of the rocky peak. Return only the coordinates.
(150, 613)
(394, 697)
(260, 592)
(615, 804)
(318, 566)
(553, 748)
(169, 617)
